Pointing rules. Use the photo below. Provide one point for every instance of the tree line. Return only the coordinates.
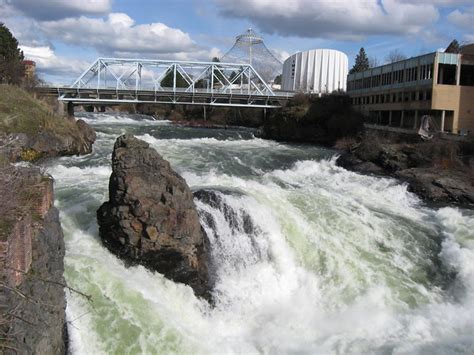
(12, 69)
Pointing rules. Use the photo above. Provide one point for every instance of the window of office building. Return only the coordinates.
(467, 75)
(447, 74)
(426, 72)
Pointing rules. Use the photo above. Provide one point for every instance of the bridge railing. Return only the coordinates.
(176, 76)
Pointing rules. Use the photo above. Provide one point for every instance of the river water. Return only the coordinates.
(307, 257)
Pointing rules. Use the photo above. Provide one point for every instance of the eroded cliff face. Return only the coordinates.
(32, 300)
(151, 218)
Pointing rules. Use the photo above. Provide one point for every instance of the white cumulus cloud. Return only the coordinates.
(334, 19)
(118, 34)
(465, 20)
(47, 62)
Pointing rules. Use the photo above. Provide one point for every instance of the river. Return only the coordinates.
(311, 258)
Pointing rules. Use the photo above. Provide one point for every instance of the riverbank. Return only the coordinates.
(29, 131)
(439, 170)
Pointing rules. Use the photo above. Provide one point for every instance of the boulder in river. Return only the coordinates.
(151, 219)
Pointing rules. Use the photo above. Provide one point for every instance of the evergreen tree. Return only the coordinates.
(167, 81)
(11, 58)
(453, 47)
(361, 62)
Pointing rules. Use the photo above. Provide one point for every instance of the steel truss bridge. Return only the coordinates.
(111, 81)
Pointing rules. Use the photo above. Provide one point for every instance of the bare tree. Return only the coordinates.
(373, 62)
(395, 56)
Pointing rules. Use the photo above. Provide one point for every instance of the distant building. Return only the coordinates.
(30, 70)
(316, 71)
(437, 84)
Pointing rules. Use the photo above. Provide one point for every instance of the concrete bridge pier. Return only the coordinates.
(70, 110)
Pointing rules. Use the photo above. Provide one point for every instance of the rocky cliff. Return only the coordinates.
(151, 219)
(32, 300)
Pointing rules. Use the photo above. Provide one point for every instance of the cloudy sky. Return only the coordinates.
(64, 36)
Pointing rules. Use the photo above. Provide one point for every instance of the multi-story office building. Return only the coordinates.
(437, 84)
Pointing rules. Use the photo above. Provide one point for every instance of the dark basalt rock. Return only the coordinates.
(151, 218)
(420, 165)
(438, 185)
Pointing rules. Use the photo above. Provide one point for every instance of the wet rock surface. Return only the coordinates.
(151, 219)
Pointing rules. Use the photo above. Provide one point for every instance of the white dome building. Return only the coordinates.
(316, 71)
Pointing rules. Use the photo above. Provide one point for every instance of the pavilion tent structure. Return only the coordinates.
(249, 48)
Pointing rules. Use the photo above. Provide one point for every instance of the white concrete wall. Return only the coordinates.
(316, 70)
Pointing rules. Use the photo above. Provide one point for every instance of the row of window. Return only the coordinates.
(422, 72)
(393, 97)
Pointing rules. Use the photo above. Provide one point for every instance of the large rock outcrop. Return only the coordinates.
(312, 119)
(32, 300)
(151, 219)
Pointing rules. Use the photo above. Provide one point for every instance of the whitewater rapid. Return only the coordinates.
(308, 257)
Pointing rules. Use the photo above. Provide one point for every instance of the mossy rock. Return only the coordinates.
(30, 155)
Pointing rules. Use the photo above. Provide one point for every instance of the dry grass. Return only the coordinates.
(21, 113)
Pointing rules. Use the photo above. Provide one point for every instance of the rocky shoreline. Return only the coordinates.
(30, 131)
(437, 171)
(16, 147)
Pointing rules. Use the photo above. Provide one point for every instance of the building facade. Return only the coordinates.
(316, 71)
(437, 84)
(30, 70)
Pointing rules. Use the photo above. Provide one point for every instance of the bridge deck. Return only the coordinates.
(236, 98)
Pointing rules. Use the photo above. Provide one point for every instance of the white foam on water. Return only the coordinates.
(336, 262)
(118, 118)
